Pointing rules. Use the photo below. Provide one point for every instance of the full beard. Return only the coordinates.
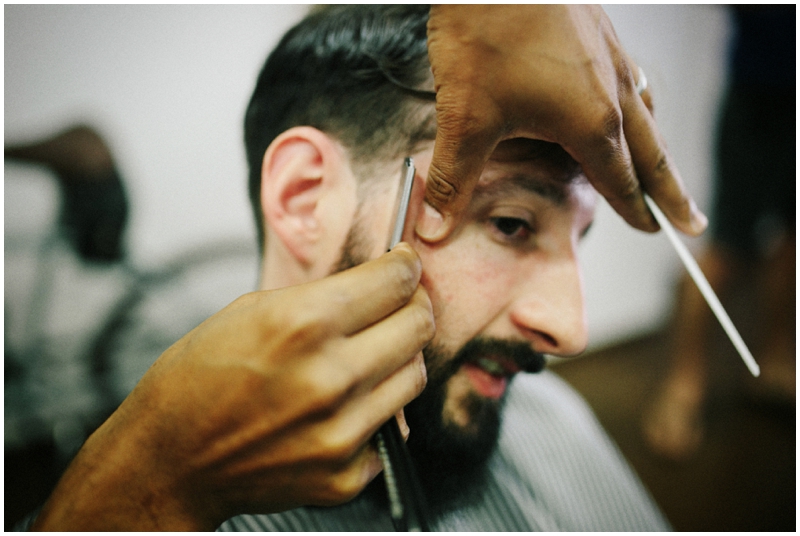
(450, 459)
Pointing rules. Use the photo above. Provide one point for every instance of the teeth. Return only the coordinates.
(492, 367)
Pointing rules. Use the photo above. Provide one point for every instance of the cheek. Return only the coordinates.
(468, 287)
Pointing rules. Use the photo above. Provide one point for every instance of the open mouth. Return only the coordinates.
(490, 376)
(489, 363)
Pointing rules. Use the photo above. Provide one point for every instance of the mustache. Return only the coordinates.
(516, 352)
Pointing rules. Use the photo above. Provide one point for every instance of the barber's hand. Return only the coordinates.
(550, 72)
(268, 405)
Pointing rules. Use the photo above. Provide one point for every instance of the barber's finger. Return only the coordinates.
(346, 438)
(395, 392)
(647, 99)
(464, 143)
(402, 424)
(385, 400)
(356, 298)
(656, 171)
(376, 352)
(349, 479)
(602, 151)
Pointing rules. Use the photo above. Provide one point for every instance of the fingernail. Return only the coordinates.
(431, 224)
(423, 368)
(699, 220)
(404, 429)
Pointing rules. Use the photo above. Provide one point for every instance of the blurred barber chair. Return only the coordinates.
(82, 321)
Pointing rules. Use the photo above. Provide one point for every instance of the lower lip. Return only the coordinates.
(486, 384)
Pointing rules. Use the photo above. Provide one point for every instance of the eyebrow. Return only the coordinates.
(508, 184)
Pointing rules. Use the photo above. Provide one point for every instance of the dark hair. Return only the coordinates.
(354, 72)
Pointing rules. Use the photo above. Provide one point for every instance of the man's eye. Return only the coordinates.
(512, 227)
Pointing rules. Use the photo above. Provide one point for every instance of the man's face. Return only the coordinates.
(505, 289)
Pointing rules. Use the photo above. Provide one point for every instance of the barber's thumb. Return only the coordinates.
(448, 188)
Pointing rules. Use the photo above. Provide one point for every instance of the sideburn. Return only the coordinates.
(357, 246)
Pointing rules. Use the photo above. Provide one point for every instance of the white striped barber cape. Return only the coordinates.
(555, 469)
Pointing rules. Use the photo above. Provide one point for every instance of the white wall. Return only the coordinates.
(630, 275)
(168, 86)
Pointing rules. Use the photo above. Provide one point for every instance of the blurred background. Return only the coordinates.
(166, 88)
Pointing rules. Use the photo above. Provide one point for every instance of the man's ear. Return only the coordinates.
(308, 196)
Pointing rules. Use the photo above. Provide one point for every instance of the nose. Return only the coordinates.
(550, 310)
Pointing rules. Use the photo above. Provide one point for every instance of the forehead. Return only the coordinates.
(535, 164)
(530, 171)
(520, 167)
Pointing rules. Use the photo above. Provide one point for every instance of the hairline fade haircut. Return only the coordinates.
(355, 72)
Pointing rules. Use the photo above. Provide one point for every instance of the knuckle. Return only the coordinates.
(341, 445)
(626, 76)
(658, 170)
(325, 389)
(624, 192)
(345, 486)
(439, 190)
(610, 124)
(603, 123)
(303, 327)
(662, 163)
(603, 135)
(457, 121)
(629, 190)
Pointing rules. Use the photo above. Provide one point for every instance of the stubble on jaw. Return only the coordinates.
(356, 248)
